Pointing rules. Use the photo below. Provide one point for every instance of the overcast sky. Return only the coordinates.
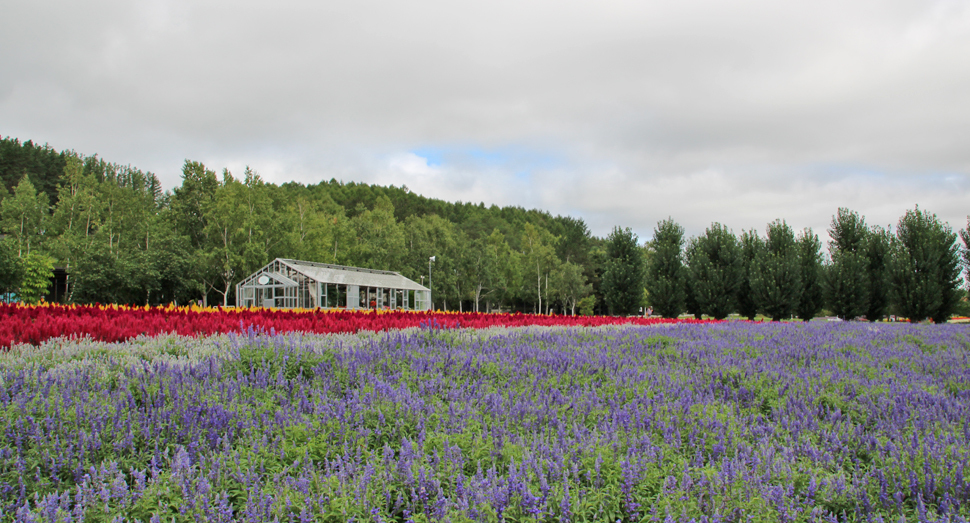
(621, 113)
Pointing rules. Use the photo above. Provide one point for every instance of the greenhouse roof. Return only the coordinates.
(343, 275)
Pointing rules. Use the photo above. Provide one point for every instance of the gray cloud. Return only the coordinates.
(739, 112)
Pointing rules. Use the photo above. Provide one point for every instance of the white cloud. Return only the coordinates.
(705, 111)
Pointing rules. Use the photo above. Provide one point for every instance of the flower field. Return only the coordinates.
(670, 422)
(35, 324)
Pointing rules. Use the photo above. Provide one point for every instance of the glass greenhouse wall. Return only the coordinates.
(285, 283)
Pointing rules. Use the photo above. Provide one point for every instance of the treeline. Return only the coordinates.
(123, 240)
(870, 272)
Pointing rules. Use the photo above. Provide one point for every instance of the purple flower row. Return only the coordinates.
(718, 422)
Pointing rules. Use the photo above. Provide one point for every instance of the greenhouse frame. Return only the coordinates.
(290, 284)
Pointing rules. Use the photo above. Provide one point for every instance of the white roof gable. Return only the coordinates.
(343, 275)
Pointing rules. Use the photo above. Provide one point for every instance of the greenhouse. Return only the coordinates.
(289, 284)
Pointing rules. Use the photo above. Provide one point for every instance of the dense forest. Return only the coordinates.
(121, 239)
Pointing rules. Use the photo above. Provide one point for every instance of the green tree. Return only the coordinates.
(776, 280)
(878, 255)
(75, 217)
(483, 266)
(463, 268)
(666, 272)
(587, 305)
(570, 286)
(575, 239)
(424, 237)
(10, 269)
(507, 270)
(811, 299)
(691, 304)
(715, 271)
(111, 216)
(44, 164)
(846, 282)
(380, 239)
(24, 215)
(926, 268)
(624, 275)
(264, 228)
(36, 273)
(846, 285)
(316, 232)
(538, 258)
(230, 238)
(751, 247)
(191, 201)
(595, 269)
(104, 277)
(170, 258)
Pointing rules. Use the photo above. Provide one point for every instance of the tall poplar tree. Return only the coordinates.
(666, 271)
(926, 267)
(878, 262)
(776, 281)
(24, 215)
(623, 278)
(691, 305)
(847, 278)
(751, 247)
(715, 271)
(810, 267)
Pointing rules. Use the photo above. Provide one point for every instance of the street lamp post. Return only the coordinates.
(431, 259)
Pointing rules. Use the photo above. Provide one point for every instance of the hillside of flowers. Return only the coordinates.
(36, 324)
(722, 422)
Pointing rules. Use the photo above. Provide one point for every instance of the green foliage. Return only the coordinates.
(569, 285)
(691, 305)
(879, 259)
(776, 279)
(811, 299)
(45, 165)
(847, 278)
(36, 273)
(191, 200)
(24, 215)
(623, 279)
(926, 267)
(751, 247)
(848, 232)
(379, 237)
(715, 271)
(847, 285)
(144, 246)
(10, 268)
(587, 304)
(666, 272)
(428, 236)
(962, 307)
(102, 277)
(538, 260)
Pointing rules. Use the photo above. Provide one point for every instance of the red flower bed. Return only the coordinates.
(33, 325)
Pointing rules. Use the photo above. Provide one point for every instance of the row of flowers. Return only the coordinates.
(111, 323)
(728, 422)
